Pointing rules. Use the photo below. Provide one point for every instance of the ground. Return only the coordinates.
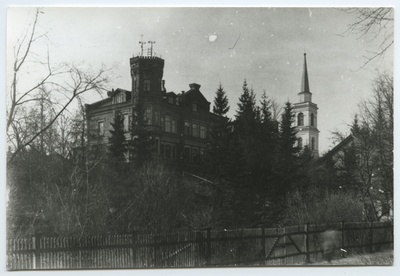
(378, 258)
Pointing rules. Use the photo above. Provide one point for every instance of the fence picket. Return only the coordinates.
(263, 246)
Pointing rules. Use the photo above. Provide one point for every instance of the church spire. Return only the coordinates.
(305, 86)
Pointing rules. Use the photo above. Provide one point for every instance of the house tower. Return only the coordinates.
(306, 119)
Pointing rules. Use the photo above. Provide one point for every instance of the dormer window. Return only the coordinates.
(194, 107)
(300, 119)
(146, 85)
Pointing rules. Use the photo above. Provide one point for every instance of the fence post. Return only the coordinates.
(371, 241)
(36, 252)
(208, 246)
(342, 234)
(263, 253)
(306, 242)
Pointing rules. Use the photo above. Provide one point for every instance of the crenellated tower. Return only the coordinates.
(306, 116)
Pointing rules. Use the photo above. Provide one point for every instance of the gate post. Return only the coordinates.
(36, 252)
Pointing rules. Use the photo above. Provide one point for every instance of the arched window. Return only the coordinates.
(313, 143)
(312, 119)
(300, 143)
(300, 119)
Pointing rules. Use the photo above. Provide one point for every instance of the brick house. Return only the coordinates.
(178, 123)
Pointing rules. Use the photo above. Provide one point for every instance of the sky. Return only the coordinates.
(269, 54)
(223, 45)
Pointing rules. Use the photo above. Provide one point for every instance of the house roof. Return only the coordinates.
(336, 149)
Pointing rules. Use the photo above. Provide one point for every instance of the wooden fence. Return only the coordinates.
(240, 247)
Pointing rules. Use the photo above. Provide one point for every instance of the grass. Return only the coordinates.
(374, 259)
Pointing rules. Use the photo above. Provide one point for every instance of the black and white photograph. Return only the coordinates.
(167, 137)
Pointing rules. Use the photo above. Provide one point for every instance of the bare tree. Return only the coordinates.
(65, 82)
(370, 24)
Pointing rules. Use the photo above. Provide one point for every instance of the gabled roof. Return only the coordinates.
(335, 150)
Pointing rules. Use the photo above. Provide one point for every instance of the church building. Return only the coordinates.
(306, 115)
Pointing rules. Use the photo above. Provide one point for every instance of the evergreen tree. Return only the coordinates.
(241, 163)
(247, 111)
(268, 138)
(219, 135)
(287, 149)
(117, 141)
(221, 104)
(141, 144)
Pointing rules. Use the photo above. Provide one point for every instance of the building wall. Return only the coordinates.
(179, 124)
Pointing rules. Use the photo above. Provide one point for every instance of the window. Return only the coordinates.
(202, 132)
(147, 116)
(194, 107)
(146, 85)
(187, 128)
(173, 152)
(300, 143)
(313, 143)
(126, 122)
(195, 154)
(157, 117)
(202, 154)
(130, 122)
(195, 130)
(157, 145)
(186, 154)
(168, 151)
(167, 127)
(119, 98)
(300, 119)
(312, 119)
(100, 128)
(162, 151)
(173, 126)
(171, 100)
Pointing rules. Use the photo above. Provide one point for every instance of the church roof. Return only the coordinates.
(305, 86)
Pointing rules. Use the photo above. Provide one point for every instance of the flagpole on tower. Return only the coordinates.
(141, 46)
(151, 47)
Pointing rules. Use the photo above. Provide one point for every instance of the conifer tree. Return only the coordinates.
(219, 135)
(247, 105)
(287, 149)
(141, 144)
(221, 104)
(117, 141)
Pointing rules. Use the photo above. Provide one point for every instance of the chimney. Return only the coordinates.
(194, 86)
(163, 85)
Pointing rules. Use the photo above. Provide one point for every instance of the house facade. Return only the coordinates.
(178, 123)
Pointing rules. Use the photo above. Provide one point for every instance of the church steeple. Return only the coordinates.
(306, 113)
(305, 86)
(305, 94)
